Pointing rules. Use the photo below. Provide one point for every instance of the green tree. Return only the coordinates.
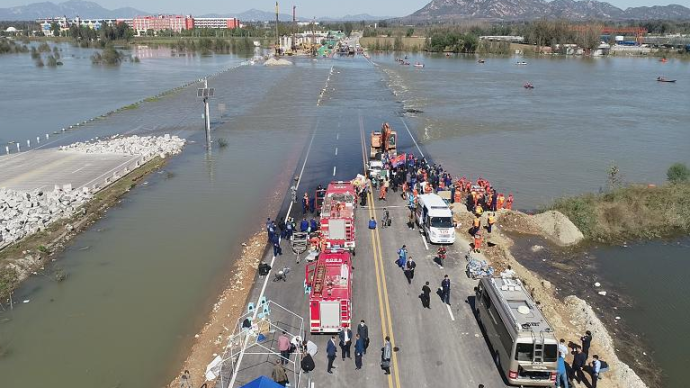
(677, 173)
(398, 44)
(410, 32)
(55, 28)
(347, 28)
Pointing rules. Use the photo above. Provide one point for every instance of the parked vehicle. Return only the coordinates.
(435, 219)
(524, 345)
(330, 298)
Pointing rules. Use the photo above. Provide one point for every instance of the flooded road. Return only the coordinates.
(141, 280)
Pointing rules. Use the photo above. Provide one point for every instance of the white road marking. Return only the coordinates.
(424, 241)
(337, 136)
(412, 137)
(333, 170)
(79, 169)
(336, 151)
(263, 287)
(450, 312)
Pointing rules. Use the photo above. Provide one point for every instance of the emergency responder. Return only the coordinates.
(491, 221)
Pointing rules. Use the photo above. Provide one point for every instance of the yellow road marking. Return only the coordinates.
(380, 274)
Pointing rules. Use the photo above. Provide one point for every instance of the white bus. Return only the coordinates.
(435, 219)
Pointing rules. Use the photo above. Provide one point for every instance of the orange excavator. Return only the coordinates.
(383, 141)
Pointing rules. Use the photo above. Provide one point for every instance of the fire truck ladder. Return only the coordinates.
(344, 311)
(538, 356)
(319, 276)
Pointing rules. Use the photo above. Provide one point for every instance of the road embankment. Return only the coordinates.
(636, 212)
(571, 316)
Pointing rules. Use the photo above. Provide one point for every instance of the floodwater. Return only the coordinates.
(35, 101)
(141, 280)
(560, 138)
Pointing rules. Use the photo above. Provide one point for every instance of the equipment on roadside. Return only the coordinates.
(383, 141)
(300, 242)
(329, 281)
(281, 275)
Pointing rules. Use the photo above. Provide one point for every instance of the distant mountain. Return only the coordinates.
(72, 8)
(447, 10)
(256, 15)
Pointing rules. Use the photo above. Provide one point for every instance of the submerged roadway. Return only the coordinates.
(441, 347)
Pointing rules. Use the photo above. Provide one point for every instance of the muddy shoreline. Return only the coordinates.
(230, 302)
(34, 252)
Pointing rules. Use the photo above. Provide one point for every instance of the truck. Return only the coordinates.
(338, 215)
(329, 281)
(383, 142)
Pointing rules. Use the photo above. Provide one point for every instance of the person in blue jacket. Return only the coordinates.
(562, 375)
(359, 351)
(304, 225)
(372, 223)
(331, 349)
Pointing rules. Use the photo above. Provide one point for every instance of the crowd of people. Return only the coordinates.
(566, 375)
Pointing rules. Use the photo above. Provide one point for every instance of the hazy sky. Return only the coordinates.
(305, 8)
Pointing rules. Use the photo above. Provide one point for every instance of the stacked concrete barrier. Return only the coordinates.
(131, 145)
(25, 213)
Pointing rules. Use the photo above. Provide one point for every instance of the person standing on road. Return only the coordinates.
(278, 375)
(277, 250)
(331, 350)
(386, 354)
(359, 351)
(409, 270)
(402, 257)
(284, 347)
(445, 290)
(345, 342)
(307, 362)
(363, 331)
(426, 296)
(562, 348)
(596, 368)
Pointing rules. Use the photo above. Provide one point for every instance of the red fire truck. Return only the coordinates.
(330, 299)
(338, 215)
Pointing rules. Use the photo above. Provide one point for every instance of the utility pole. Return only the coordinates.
(313, 37)
(277, 36)
(294, 29)
(206, 94)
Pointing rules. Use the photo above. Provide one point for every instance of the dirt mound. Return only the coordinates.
(559, 227)
(277, 62)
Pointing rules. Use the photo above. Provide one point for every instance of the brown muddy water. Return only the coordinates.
(644, 307)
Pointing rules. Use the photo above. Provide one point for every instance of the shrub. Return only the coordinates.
(678, 172)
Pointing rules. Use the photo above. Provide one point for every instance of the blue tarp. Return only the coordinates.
(262, 382)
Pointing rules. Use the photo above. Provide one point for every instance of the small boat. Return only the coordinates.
(420, 65)
(662, 79)
(663, 60)
(528, 85)
(480, 61)
(405, 63)
(521, 63)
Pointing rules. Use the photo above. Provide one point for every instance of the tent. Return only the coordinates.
(262, 382)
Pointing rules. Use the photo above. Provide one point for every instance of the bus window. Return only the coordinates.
(550, 353)
(524, 352)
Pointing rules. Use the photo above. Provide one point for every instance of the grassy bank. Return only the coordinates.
(630, 213)
(30, 254)
(392, 43)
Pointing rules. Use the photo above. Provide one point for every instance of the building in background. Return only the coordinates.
(65, 23)
(175, 23)
(229, 23)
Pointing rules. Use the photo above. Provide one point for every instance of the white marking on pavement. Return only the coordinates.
(79, 169)
(263, 287)
(412, 137)
(424, 241)
(333, 170)
(337, 136)
(336, 151)
(450, 312)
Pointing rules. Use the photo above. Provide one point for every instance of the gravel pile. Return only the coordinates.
(25, 213)
(130, 145)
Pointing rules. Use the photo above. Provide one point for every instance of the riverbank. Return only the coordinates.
(32, 253)
(570, 316)
(636, 212)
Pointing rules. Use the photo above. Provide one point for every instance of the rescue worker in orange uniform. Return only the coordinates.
(476, 225)
(457, 196)
(382, 192)
(499, 202)
(475, 199)
(492, 221)
(323, 243)
(477, 241)
(427, 188)
(478, 210)
(314, 242)
(509, 202)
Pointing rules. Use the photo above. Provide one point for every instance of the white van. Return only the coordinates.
(435, 219)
